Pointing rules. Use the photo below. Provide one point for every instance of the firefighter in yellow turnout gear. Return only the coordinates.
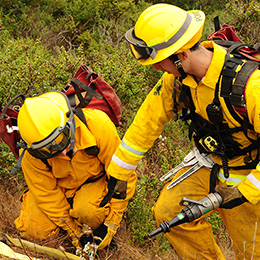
(66, 193)
(168, 38)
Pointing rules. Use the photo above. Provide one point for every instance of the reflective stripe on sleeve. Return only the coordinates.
(254, 180)
(132, 149)
(233, 179)
(123, 164)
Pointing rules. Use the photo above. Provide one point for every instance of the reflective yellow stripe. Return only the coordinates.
(254, 180)
(123, 164)
(131, 149)
(233, 179)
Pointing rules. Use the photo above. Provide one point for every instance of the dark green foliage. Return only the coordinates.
(245, 16)
(141, 222)
(27, 67)
(207, 6)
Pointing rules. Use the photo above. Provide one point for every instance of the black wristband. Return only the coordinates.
(234, 203)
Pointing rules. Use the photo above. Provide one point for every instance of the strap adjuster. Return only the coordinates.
(177, 63)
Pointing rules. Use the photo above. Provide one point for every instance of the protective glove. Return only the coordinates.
(116, 189)
(103, 232)
(100, 232)
(73, 230)
(231, 196)
(107, 241)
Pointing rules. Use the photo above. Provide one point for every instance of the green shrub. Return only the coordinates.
(28, 68)
(140, 214)
(218, 227)
(245, 17)
(131, 81)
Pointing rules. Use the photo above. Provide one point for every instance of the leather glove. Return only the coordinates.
(73, 229)
(231, 196)
(116, 189)
(107, 240)
(100, 232)
(103, 232)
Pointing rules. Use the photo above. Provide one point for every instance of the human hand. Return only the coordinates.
(116, 189)
(231, 196)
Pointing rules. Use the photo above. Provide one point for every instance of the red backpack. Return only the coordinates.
(8, 125)
(226, 36)
(87, 89)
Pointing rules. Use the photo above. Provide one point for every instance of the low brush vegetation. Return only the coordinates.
(43, 42)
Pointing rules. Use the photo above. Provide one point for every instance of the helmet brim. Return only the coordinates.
(189, 39)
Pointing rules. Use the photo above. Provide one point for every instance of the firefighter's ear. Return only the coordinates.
(183, 55)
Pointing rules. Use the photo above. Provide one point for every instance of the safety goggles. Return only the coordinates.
(139, 48)
(57, 141)
(53, 145)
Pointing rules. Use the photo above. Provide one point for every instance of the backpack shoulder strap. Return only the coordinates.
(93, 150)
(233, 93)
(79, 113)
(84, 101)
(238, 87)
(3, 113)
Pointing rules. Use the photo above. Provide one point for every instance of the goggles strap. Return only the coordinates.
(153, 53)
(161, 45)
(178, 65)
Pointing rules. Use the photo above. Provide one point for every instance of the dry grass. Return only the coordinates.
(9, 211)
(127, 250)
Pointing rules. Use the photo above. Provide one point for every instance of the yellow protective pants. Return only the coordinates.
(195, 240)
(34, 223)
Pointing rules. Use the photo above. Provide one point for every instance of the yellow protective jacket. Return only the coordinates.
(157, 109)
(52, 187)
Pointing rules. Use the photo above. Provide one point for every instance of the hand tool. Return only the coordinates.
(195, 159)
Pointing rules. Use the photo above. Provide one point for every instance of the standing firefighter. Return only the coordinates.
(168, 37)
(64, 162)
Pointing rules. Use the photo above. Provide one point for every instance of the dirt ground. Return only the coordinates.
(10, 208)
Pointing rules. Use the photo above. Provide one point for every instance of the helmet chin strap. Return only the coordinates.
(178, 65)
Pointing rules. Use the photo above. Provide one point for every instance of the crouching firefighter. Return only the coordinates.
(64, 161)
(198, 80)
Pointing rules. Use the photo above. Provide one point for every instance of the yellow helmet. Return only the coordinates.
(44, 125)
(162, 30)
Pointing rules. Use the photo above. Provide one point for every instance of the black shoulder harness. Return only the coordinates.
(215, 136)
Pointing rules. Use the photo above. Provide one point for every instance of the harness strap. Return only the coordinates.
(84, 101)
(233, 95)
(178, 65)
(234, 92)
(3, 113)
